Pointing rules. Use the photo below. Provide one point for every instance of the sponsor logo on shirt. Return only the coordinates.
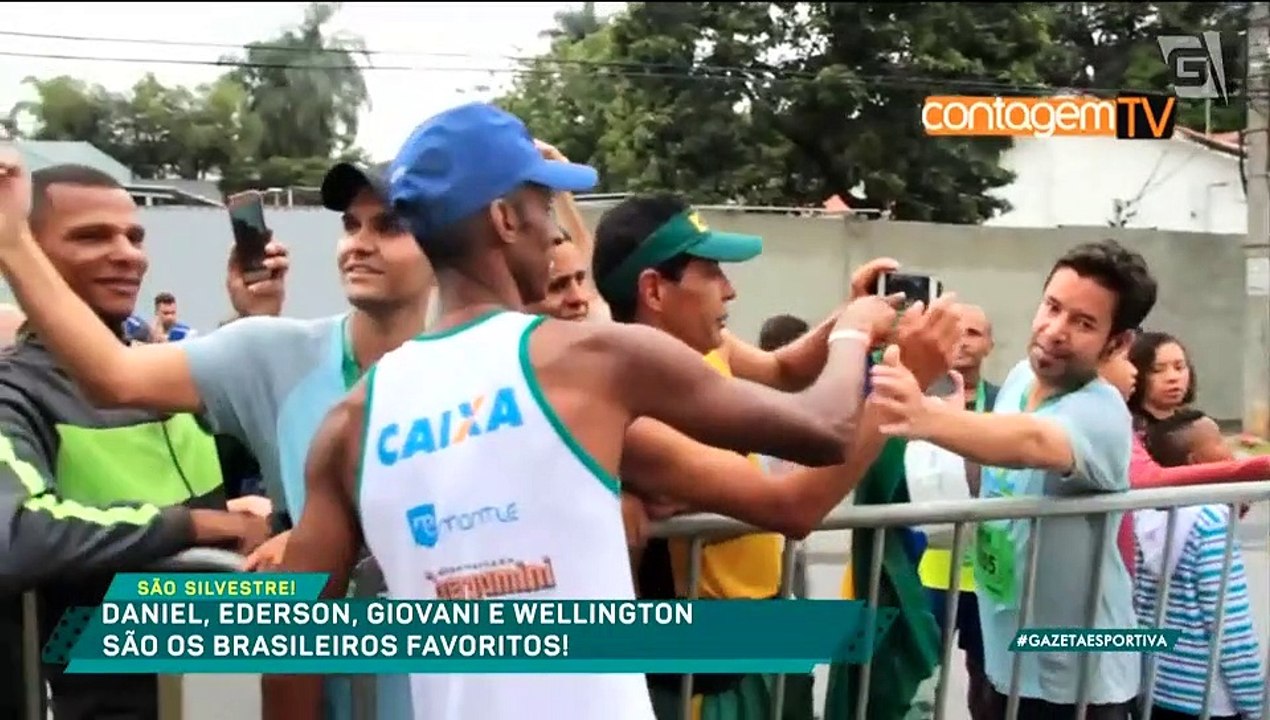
(427, 526)
(482, 415)
(497, 578)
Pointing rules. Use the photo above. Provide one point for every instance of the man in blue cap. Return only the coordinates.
(480, 460)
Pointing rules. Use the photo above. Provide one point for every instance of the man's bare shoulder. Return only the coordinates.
(602, 336)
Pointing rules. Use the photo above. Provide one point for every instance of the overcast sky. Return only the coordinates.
(451, 48)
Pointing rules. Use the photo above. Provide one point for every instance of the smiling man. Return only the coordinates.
(264, 380)
(84, 491)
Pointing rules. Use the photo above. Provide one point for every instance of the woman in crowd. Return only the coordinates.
(1156, 378)
(1161, 404)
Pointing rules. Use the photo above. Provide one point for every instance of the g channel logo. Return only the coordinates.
(1195, 65)
(427, 527)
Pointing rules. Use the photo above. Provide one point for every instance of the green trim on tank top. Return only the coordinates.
(606, 479)
(465, 325)
(361, 460)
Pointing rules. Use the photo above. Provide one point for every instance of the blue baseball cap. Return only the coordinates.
(465, 158)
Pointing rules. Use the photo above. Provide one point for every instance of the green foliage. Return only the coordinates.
(791, 103)
(287, 109)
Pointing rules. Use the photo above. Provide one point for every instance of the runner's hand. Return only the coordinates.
(251, 504)
(15, 195)
(550, 152)
(928, 338)
(865, 279)
(268, 556)
(905, 411)
(869, 314)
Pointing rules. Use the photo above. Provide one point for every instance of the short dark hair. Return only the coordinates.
(619, 233)
(1168, 441)
(164, 298)
(1142, 355)
(448, 246)
(44, 178)
(1120, 270)
(781, 330)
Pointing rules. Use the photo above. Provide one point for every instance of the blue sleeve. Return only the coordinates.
(1100, 431)
(233, 369)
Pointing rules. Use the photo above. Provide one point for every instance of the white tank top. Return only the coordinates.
(471, 487)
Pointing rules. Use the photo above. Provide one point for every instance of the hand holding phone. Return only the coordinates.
(914, 288)
(251, 234)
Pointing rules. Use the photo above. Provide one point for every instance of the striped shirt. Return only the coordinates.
(1194, 592)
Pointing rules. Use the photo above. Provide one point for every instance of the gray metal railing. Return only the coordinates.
(35, 687)
(702, 528)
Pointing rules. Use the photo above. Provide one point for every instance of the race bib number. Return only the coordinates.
(994, 563)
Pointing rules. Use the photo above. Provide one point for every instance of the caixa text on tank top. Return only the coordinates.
(471, 419)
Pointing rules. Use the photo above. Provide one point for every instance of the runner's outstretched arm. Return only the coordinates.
(659, 461)
(659, 377)
(795, 366)
(326, 539)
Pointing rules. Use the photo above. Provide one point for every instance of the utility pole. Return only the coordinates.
(1256, 418)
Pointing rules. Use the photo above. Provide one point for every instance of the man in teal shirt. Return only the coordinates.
(1056, 430)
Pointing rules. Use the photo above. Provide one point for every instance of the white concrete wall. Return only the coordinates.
(1179, 184)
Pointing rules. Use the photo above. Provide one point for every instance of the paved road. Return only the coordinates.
(828, 553)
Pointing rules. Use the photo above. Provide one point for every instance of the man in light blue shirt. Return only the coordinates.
(1056, 430)
(268, 381)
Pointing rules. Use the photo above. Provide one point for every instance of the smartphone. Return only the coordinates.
(915, 287)
(251, 235)
(942, 387)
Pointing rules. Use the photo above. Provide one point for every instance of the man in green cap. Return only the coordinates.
(657, 263)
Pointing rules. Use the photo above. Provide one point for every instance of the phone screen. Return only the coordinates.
(251, 235)
(914, 287)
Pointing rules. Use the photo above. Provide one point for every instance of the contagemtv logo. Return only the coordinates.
(1124, 117)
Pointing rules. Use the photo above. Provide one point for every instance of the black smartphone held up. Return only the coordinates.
(915, 287)
(251, 235)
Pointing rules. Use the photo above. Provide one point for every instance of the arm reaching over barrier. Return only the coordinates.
(795, 366)
(663, 379)
(662, 462)
(52, 535)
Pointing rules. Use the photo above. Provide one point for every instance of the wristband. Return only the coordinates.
(850, 334)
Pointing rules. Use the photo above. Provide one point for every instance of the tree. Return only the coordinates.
(791, 103)
(157, 131)
(69, 109)
(564, 99)
(1113, 46)
(306, 87)
(279, 119)
(780, 103)
(574, 25)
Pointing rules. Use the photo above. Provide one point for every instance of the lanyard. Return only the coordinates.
(1027, 392)
(981, 397)
(348, 361)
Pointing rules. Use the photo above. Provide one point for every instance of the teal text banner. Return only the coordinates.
(174, 624)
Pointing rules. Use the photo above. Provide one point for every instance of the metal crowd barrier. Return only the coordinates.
(702, 529)
(963, 513)
(169, 686)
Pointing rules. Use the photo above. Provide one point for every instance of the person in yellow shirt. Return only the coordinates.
(657, 263)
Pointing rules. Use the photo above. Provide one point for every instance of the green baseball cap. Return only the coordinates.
(683, 234)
